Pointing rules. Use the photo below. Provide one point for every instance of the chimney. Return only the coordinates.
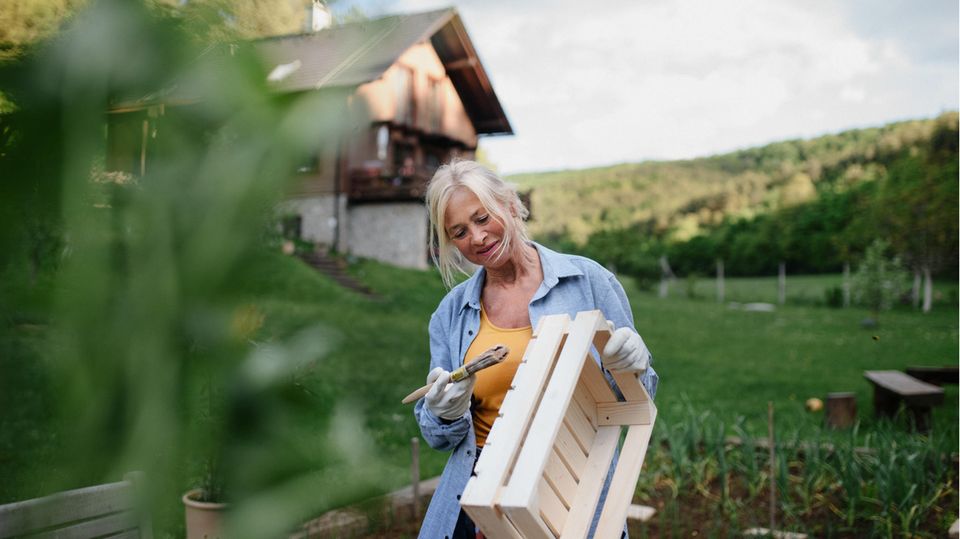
(320, 17)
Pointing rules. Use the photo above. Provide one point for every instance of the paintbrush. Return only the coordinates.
(489, 358)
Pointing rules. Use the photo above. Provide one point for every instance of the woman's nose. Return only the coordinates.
(478, 235)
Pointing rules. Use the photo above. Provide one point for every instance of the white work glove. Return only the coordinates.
(625, 352)
(448, 400)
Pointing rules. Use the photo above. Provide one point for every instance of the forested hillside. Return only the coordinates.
(812, 203)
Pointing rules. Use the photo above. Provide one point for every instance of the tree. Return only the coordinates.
(879, 280)
(917, 205)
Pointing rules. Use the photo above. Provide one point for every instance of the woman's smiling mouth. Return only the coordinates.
(487, 250)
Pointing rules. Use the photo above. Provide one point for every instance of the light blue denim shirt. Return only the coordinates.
(570, 284)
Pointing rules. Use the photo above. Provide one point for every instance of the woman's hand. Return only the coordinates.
(625, 352)
(445, 400)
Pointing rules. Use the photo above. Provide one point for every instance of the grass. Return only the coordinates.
(734, 361)
(709, 357)
(800, 290)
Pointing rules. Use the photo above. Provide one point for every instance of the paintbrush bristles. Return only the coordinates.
(489, 358)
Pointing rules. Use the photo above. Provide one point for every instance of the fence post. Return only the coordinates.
(927, 289)
(666, 275)
(846, 284)
(782, 284)
(773, 468)
(720, 290)
(415, 475)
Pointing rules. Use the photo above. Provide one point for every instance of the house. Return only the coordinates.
(409, 93)
(417, 96)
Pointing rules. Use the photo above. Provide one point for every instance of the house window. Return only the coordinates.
(309, 163)
(435, 107)
(404, 161)
(383, 142)
(403, 90)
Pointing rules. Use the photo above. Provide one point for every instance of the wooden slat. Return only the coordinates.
(64, 507)
(548, 420)
(902, 383)
(552, 511)
(623, 413)
(579, 425)
(492, 521)
(482, 493)
(99, 527)
(560, 478)
(588, 493)
(529, 524)
(571, 454)
(596, 384)
(624, 481)
(586, 403)
(601, 337)
(630, 387)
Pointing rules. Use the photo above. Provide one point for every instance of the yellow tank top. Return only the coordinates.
(493, 383)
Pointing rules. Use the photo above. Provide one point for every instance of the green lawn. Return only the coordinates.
(800, 289)
(709, 357)
(733, 361)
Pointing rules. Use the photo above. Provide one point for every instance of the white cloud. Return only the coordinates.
(589, 84)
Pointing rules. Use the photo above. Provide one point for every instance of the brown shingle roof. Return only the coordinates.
(350, 54)
(356, 53)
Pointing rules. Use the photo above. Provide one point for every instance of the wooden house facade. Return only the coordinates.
(416, 97)
(409, 94)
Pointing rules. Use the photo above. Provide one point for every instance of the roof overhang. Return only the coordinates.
(470, 79)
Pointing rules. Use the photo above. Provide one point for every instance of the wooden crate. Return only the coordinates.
(543, 466)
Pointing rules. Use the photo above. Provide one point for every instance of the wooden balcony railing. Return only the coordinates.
(369, 185)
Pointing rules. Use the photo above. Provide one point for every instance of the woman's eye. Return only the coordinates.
(458, 234)
(482, 219)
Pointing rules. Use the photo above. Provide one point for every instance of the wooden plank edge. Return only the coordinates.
(624, 481)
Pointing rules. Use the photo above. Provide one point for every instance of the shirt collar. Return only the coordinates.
(554, 265)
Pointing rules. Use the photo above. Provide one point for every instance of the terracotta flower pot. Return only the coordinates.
(204, 519)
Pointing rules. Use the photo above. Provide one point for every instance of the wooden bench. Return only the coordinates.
(102, 511)
(890, 388)
(940, 376)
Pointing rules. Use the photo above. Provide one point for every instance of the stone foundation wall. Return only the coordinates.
(395, 233)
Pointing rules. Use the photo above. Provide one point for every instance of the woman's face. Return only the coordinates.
(473, 230)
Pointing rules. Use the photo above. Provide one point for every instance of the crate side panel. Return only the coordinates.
(563, 482)
(624, 481)
(579, 425)
(509, 430)
(547, 422)
(596, 384)
(584, 400)
(588, 492)
(552, 510)
(570, 452)
(493, 522)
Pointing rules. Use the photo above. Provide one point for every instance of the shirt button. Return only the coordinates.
(468, 452)
(470, 332)
(458, 496)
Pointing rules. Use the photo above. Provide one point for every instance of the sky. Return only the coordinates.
(597, 83)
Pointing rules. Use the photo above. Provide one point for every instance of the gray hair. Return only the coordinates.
(498, 197)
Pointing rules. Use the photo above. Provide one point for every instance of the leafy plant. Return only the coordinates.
(153, 347)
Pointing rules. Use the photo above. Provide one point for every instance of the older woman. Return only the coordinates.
(476, 217)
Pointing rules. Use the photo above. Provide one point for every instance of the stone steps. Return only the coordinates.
(336, 269)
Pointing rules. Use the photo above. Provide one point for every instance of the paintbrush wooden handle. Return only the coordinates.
(489, 358)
